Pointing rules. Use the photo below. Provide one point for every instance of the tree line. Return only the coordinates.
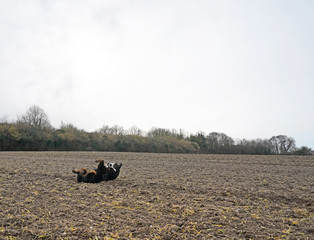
(32, 131)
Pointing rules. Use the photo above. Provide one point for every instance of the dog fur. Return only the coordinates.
(103, 172)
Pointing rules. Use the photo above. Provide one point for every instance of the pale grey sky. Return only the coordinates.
(244, 68)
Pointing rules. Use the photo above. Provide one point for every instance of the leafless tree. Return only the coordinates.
(157, 132)
(35, 117)
(135, 131)
(114, 130)
(105, 129)
(117, 130)
(282, 144)
(4, 119)
(218, 142)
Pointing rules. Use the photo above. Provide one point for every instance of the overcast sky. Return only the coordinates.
(244, 68)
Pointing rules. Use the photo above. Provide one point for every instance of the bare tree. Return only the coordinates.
(179, 134)
(35, 117)
(219, 142)
(4, 119)
(105, 129)
(158, 132)
(282, 144)
(117, 130)
(135, 131)
(114, 130)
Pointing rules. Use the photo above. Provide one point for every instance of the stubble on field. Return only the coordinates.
(157, 196)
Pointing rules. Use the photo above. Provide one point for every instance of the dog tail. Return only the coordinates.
(80, 171)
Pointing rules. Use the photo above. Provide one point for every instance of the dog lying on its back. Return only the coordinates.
(104, 172)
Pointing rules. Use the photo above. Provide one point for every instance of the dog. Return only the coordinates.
(103, 172)
(84, 175)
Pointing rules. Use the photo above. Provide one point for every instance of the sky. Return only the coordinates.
(243, 68)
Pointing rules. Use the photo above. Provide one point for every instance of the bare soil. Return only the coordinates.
(157, 196)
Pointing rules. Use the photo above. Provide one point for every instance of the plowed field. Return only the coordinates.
(157, 196)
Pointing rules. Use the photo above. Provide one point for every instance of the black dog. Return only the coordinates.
(104, 172)
(112, 171)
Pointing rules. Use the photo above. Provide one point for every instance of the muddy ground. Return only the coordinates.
(157, 196)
